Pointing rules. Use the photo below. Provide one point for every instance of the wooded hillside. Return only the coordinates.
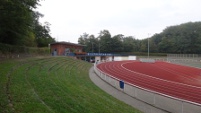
(184, 39)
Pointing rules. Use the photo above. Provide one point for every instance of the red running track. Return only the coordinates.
(170, 79)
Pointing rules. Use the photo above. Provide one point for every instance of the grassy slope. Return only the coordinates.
(54, 84)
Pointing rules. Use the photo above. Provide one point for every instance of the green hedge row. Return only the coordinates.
(10, 49)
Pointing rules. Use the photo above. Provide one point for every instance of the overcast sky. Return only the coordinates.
(71, 18)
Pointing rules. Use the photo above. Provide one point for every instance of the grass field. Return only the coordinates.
(53, 84)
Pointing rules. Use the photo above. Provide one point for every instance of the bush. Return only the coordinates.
(11, 50)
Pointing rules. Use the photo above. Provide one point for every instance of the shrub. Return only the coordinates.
(11, 50)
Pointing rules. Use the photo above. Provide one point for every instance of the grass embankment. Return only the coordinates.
(54, 84)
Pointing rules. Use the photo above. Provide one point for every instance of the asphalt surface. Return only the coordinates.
(142, 106)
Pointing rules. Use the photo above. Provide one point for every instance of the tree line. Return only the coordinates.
(19, 24)
(180, 39)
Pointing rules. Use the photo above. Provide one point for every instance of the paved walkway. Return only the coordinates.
(142, 106)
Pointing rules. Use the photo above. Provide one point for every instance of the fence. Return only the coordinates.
(183, 57)
(158, 100)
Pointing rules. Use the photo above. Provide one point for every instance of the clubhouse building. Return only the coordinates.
(76, 50)
(66, 49)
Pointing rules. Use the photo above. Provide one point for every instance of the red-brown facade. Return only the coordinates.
(65, 48)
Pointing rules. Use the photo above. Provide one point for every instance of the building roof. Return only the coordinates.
(67, 43)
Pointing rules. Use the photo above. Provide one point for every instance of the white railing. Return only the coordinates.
(158, 100)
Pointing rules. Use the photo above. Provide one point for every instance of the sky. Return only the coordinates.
(141, 19)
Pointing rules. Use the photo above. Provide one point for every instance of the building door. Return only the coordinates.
(55, 52)
(67, 51)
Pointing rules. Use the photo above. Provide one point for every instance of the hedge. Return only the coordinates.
(11, 50)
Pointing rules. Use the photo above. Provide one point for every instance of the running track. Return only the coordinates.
(170, 79)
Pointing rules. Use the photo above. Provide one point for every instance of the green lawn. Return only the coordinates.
(53, 84)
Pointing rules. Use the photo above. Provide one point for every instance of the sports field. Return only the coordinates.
(174, 80)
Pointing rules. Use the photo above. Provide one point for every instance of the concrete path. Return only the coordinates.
(142, 106)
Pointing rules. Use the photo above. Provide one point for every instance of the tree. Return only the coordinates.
(42, 34)
(16, 21)
(184, 38)
(117, 43)
(90, 42)
(144, 45)
(19, 24)
(128, 44)
(83, 39)
(105, 41)
(165, 45)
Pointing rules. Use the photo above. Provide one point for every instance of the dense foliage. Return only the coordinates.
(184, 38)
(19, 24)
(12, 51)
(106, 43)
